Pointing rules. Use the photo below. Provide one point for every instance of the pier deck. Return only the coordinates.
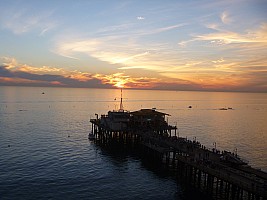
(220, 174)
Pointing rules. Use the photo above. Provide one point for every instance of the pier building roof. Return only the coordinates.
(146, 112)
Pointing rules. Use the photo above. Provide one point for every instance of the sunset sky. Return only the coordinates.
(152, 44)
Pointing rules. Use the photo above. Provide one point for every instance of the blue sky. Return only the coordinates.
(181, 45)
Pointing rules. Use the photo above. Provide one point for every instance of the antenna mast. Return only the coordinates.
(121, 106)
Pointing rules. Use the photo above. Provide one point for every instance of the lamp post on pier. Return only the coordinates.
(214, 144)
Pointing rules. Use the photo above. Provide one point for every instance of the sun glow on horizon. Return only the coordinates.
(140, 45)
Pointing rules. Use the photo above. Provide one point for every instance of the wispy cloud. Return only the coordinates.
(113, 50)
(218, 61)
(225, 18)
(257, 37)
(108, 49)
(24, 20)
(168, 28)
(133, 30)
(158, 30)
(140, 18)
(126, 49)
(129, 54)
(114, 29)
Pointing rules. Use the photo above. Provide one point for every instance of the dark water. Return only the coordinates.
(45, 153)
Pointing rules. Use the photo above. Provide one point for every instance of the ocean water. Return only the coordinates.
(45, 153)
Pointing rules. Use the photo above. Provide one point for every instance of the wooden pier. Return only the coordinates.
(218, 174)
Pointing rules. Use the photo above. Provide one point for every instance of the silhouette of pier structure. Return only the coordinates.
(218, 174)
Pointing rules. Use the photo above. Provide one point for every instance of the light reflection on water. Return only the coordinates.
(50, 156)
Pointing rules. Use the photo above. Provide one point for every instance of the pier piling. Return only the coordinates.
(219, 175)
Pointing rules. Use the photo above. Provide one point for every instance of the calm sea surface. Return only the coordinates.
(45, 153)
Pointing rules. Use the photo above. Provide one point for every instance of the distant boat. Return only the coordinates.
(91, 136)
(189, 106)
(223, 109)
(43, 93)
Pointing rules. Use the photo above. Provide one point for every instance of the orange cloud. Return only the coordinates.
(13, 65)
(15, 80)
(42, 70)
(9, 62)
(219, 74)
(121, 80)
(56, 83)
(81, 76)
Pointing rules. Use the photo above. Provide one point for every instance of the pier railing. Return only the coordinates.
(213, 170)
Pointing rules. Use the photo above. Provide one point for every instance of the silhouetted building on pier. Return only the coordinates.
(148, 118)
(219, 174)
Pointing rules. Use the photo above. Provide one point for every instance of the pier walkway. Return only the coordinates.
(219, 174)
